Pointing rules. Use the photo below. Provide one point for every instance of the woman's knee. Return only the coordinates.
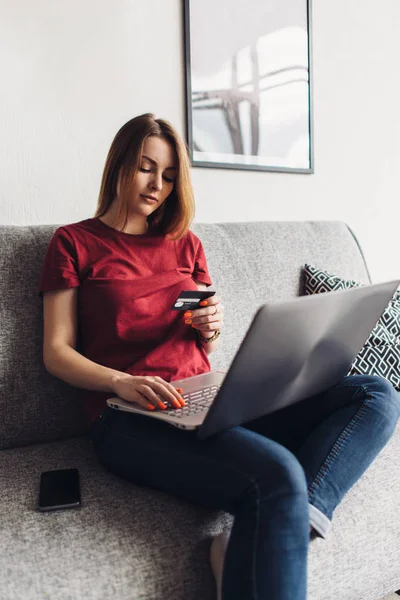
(384, 400)
(384, 393)
(284, 474)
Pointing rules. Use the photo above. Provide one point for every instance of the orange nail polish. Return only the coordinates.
(150, 407)
(188, 321)
(180, 390)
(203, 303)
(176, 403)
(187, 314)
(161, 405)
(183, 403)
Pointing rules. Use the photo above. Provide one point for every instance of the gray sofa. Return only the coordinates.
(128, 542)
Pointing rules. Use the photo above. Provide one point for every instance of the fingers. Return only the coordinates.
(175, 392)
(210, 301)
(212, 306)
(142, 401)
(157, 393)
(208, 318)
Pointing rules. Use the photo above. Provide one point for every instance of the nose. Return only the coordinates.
(156, 181)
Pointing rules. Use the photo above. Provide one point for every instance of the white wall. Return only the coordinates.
(73, 72)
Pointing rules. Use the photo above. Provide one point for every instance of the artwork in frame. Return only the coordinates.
(248, 84)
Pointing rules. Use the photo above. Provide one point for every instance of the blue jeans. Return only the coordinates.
(276, 475)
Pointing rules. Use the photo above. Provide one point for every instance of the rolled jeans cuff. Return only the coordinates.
(319, 521)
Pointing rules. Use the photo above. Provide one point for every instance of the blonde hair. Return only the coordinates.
(123, 161)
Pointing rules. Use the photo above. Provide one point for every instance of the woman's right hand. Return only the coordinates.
(148, 392)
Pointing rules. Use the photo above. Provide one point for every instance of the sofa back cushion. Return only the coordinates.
(250, 263)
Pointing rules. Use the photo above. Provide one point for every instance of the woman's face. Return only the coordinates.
(155, 178)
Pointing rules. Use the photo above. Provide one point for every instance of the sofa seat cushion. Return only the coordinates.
(132, 543)
(126, 541)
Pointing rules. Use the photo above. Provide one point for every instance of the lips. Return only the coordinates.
(152, 198)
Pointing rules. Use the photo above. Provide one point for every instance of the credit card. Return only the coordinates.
(190, 299)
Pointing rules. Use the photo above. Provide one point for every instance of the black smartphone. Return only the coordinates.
(59, 489)
(190, 299)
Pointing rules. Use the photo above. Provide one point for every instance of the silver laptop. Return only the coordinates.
(292, 350)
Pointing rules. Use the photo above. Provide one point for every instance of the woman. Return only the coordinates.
(277, 475)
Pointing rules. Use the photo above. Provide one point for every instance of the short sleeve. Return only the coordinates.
(200, 272)
(60, 265)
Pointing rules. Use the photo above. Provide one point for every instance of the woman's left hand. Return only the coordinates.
(207, 319)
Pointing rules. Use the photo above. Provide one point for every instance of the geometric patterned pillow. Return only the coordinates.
(380, 354)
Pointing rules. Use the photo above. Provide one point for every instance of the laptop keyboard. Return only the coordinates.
(196, 402)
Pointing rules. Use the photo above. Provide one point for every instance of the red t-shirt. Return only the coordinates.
(127, 286)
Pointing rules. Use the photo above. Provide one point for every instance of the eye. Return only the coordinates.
(167, 179)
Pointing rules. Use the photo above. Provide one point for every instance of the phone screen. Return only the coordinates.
(59, 489)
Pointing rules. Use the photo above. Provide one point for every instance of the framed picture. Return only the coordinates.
(248, 84)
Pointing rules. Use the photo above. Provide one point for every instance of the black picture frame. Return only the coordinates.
(226, 104)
